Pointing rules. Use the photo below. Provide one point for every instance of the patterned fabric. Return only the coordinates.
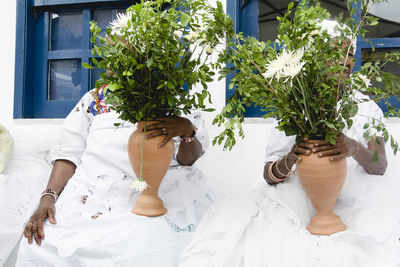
(95, 225)
(102, 106)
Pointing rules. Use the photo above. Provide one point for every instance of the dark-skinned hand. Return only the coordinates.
(323, 148)
(34, 228)
(170, 127)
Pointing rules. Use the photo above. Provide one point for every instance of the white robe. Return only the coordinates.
(267, 226)
(95, 225)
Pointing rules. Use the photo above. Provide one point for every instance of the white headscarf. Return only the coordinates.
(330, 27)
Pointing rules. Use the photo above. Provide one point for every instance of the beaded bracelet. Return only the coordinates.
(50, 192)
(272, 176)
(190, 138)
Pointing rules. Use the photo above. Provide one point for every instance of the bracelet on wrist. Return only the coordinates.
(272, 176)
(190, 138)
(50, 192)
(278, 170)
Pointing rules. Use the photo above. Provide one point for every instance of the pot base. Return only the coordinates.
(326, 225)
(150, 206)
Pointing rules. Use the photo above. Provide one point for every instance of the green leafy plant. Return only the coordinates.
(292, 79)
(153, 56)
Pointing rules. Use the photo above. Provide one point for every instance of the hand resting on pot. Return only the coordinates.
(344, 147)
(174, 126)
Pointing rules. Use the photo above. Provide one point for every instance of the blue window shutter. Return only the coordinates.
(33, 57)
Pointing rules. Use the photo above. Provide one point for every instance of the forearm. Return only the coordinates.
(364, 156)
(280, 169)
(189, 152)
(62, 171)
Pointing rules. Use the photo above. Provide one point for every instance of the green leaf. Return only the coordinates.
(375, 157)
(367, 135)
(185, 19)
(87, 66)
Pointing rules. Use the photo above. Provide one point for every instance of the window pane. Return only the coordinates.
(389, 22)
(66, 30)
(268, 11)
(379, 55)
(394, 68)
(94, 76)
(103, 17)
(335, 7)
(65, 79)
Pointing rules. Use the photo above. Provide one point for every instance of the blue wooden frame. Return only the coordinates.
(65, 2)
(246, 21)
(242, 17)
(24, 28)
(32, 39)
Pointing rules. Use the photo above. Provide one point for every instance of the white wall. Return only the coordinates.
(388, 10)
(228, 172)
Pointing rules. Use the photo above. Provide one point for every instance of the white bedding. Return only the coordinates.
(22, 183)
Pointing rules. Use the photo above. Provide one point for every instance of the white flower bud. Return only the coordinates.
(209, 50)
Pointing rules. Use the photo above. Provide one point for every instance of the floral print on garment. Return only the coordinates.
(102, 104)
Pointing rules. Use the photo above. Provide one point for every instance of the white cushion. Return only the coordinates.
(6, 147)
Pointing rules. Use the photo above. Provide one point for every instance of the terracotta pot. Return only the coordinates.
(323, 180)
(155, 165)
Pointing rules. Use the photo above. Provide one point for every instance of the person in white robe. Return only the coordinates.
(91, 223)
(266, 227)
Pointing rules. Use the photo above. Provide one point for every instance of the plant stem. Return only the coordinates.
(141, 156)
(271, 89)
(306, 99)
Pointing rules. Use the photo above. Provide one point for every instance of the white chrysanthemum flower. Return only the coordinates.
(276, 66)
(290, 71)
(296, 57)
(120, 22)
(287, 64)
(284, 58)
(139, 184)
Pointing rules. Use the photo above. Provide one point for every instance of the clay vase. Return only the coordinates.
(155, 165)
(323, 180)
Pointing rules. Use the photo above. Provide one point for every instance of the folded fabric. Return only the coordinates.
(6, 147)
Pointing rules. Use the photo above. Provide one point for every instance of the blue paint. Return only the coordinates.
(66, 2)
(31, 96)
(40, 69)
(245, 20)
(66, 54)
(23, 77)
(379, 43)
(393, 100)
(20, 55)
(233, 10)
(249, 19)
(85, 73)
